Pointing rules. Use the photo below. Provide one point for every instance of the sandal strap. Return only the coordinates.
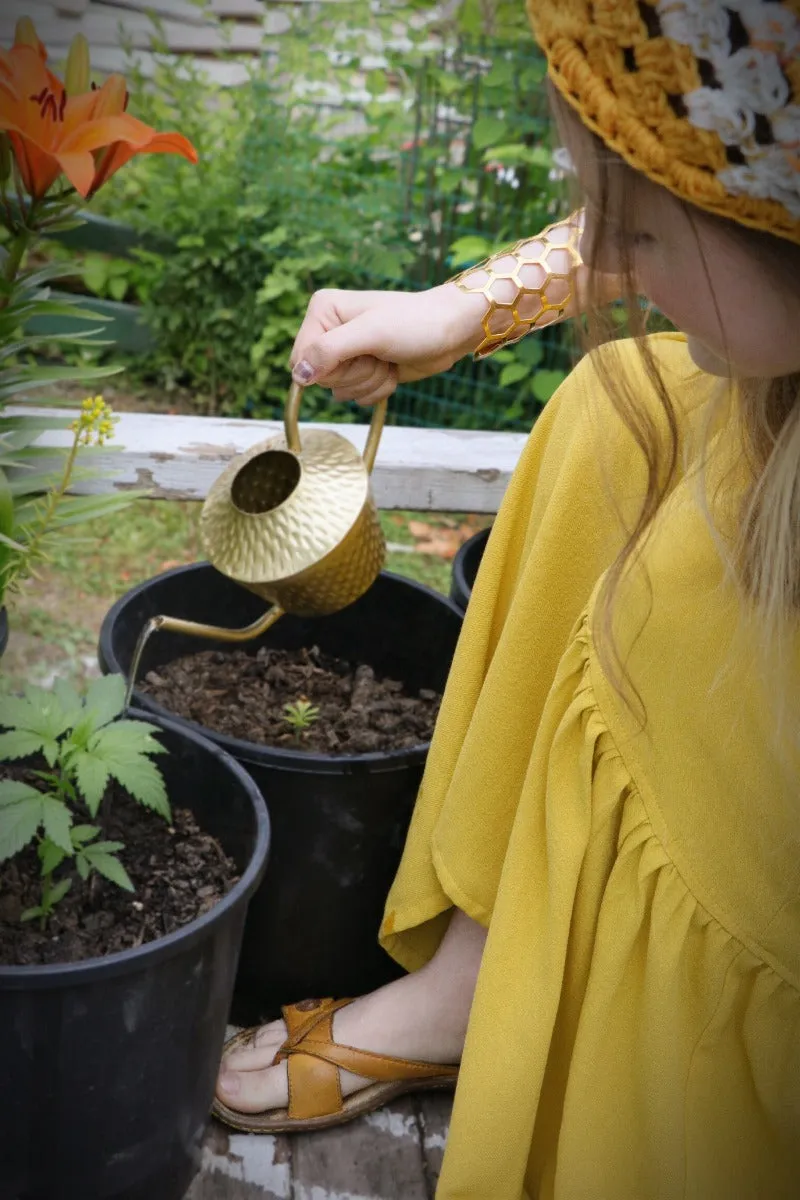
(313, 1061)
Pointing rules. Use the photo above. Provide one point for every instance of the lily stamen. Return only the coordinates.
(48, 104)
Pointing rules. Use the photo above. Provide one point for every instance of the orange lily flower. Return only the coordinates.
(87, 136)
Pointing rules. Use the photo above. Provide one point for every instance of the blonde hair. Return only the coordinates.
(763, 552)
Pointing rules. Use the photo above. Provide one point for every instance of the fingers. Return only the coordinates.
(365, 380)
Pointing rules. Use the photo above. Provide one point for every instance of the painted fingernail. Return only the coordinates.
(304, 372)
(230, 1083)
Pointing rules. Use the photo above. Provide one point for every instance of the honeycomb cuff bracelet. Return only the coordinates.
(527, 285)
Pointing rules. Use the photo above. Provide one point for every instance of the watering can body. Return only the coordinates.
(295, 522)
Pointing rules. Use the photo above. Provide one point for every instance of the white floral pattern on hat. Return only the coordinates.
(749, 87)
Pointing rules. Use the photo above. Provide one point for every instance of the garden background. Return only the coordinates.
(373, 144)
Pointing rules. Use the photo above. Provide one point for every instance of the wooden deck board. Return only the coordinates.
(382, 1156)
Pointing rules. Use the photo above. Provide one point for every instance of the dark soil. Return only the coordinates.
(178, 871)
(243, 695)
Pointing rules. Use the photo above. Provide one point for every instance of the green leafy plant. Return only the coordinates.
(44, 182)
(84, 745)
(300, 715)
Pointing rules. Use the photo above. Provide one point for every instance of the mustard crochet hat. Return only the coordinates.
(703, 96)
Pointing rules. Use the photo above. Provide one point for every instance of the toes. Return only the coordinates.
(258, 1052)
(252, 1091)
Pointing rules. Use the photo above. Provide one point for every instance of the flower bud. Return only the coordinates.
(26, 35)
(78, 73)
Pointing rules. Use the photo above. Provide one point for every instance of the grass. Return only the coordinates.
(55, 618)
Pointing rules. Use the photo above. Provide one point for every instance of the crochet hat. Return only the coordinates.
(703, 96)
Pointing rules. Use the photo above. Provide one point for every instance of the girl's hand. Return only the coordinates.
(362, 344)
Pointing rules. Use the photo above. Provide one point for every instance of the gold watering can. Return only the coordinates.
(295, 522)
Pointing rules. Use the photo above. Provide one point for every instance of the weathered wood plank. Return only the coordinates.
(239, 1166)
(107, 27)
(110, 59)
(432, 469)
(434, 1117)
(377, 1157)
(176, 10)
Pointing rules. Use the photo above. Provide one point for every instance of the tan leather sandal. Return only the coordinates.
(313, 1061)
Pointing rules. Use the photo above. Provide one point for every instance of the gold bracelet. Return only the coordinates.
(523, 289)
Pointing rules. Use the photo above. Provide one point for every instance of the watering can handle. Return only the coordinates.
(292, 431)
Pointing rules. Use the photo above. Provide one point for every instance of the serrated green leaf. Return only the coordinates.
(30, 914)
(50, 856)
(126, 737)
(91, 776)
(70, 701)
(144, 781)
(14, 790)
(58, 892)
(19, 743)
(110, 867)
(107, 847)
(82, 863)
(83, 833)
(56, 819)
(105, 699)
(18, 825)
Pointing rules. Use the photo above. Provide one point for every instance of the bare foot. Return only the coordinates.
(421, 1016)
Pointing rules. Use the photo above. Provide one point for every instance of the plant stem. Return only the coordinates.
(52, 501)
(15, 255)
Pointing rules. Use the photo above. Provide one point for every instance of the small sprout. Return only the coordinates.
(300, 715)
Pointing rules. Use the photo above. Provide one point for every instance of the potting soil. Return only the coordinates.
(244, 695)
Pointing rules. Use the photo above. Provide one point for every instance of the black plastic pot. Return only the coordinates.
(338, 823)
(108, 1065)
(3, 631)
(465, 568)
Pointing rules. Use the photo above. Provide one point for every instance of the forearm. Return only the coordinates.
(527, 286)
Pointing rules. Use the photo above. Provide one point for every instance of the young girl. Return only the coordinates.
(599, 900)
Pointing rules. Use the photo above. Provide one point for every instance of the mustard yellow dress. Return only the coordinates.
(635, 1033)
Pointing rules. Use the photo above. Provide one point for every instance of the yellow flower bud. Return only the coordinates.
(88, 403)
(25, 34)
(77, 76)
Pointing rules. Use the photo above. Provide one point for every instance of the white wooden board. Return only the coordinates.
(437, 470)
(107, 26)
(107, 60)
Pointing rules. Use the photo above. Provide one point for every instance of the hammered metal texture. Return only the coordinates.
(320, 548)
(339, 578)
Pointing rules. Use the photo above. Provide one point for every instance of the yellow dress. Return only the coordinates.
(635, 1033)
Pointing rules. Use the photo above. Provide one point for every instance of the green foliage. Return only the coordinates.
(438, 155)
(85, 744)
(28, 524)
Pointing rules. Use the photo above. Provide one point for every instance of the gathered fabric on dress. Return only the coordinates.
(635, 1032)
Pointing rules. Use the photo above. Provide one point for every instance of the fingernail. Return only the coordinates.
(228, 1082)
(304, 372)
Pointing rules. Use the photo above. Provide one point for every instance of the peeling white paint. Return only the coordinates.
(251, 1160)
(321, 1193)
(435, 1141)
(395, 1123)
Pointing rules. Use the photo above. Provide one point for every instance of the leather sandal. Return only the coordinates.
(313, 1062)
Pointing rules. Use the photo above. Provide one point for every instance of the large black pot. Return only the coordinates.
(465, 568)
(338, 823)
(108, 1065)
